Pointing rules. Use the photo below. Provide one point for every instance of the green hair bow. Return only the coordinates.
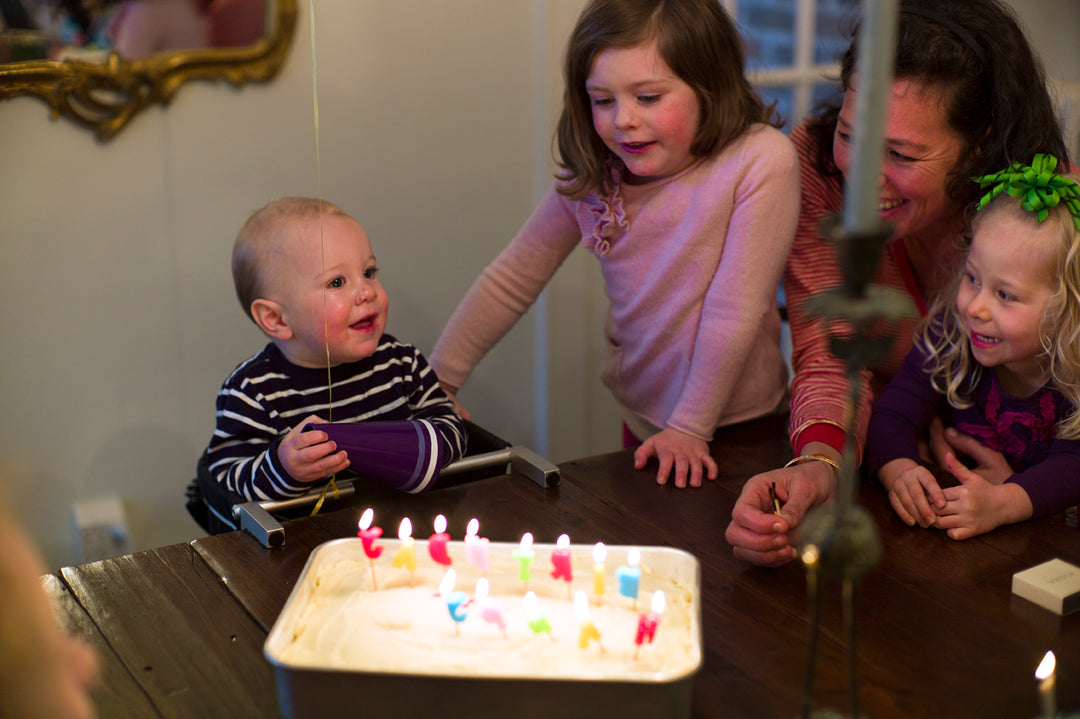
(1037, 186)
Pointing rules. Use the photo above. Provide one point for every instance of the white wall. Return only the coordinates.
(119, 318)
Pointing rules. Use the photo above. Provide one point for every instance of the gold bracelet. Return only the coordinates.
(816, 457)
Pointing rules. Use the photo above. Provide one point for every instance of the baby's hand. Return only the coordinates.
(674, 449)
(912, 491)
(310, 456)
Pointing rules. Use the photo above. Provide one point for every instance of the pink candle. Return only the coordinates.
(560, 559)
(437, 543)
(477, 549)
(368, 535)
(490, 610)
(647, 623)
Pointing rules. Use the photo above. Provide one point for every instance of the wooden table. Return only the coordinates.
(939, 633)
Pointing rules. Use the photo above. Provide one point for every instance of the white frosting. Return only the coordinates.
(335, 620)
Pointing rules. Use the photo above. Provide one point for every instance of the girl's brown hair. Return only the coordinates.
(701, 45)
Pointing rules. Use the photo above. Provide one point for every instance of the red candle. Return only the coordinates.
(437, 543)
(560, 559)
(369, 534)
(647, 623)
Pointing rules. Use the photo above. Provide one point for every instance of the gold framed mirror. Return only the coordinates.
(104, 96)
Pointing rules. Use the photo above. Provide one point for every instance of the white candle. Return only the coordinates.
(874, 66)
(1045, 674)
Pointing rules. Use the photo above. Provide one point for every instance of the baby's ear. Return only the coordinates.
(270, 319)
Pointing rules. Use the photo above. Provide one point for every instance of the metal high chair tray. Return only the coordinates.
(488, 455)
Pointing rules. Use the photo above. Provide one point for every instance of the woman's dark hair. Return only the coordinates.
(698, 41)
(995, 92)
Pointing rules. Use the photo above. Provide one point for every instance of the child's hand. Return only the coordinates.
(912, 491)
(673, 448)
(992, 465)
(977, 506)
(310, 456)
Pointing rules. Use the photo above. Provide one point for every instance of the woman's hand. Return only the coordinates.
(756, 533)
(687, 455)
(310, 456)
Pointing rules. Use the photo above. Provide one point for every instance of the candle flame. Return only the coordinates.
(472, 527)
(440, 524)
(366, 518)
(633, 557)
(599, 553)
(447, 584)
(481, 589)
(563, 541)
(658, 601)
(404, 529)
(1046, 667)
(581, 605)
(530, 602)
(526, 540)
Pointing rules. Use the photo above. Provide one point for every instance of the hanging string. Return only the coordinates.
(332, 484)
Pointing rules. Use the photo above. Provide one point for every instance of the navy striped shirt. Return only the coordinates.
(267, 394)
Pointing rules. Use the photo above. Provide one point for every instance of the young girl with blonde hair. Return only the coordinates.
(1000, 352)
(673, 177)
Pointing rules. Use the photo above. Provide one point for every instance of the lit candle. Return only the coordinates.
(368, 534)
(877, 43)
(647, 623)
(587, 631)
(490, 610)
(1047, 694)
(477, 549)
(535, 618)
(455, 601)
(629, 575)
(599, 554)
(406, 555)
(524, 555)
(437, 543)
(560, 560)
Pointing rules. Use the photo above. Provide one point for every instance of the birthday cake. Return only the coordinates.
(352, 613)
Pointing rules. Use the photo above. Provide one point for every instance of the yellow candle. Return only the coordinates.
(599, 555)
(406, 555)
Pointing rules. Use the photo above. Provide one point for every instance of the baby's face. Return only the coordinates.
(330, 294)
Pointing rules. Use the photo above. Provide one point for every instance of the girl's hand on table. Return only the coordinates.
(913, 491)
(977, 506)
(688, 456)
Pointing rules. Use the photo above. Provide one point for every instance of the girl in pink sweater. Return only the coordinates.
(672, 176)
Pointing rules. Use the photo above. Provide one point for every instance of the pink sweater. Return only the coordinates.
(691, 266)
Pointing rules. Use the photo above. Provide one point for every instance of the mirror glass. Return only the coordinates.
(100, 62)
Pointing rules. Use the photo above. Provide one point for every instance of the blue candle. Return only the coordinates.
(629, 575)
